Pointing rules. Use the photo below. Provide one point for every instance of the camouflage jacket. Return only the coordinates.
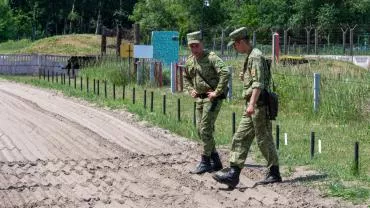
(256, 73)
(212, 68)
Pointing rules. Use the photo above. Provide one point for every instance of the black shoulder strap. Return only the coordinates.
(201, 76)
(204, 78)
(268, 64)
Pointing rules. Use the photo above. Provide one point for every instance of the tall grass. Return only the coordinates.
(343, 90)
(117, 72)
(12, 46)
(75, 44)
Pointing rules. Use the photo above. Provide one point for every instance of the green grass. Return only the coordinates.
(337, 188)
(76, 44)
(342, 119)
(12, 46)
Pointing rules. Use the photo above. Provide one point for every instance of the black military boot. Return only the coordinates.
(273, 176)
(216, 161)
(203, 166)
(228, 176)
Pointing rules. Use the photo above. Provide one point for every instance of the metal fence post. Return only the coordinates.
(173, 78)
(316, 91)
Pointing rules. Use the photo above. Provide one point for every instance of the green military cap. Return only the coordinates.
(237, 34)
(194, 37)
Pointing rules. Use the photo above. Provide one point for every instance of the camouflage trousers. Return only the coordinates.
(259, 126)
(206, 114)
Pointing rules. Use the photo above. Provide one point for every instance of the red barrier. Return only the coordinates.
(277, 46)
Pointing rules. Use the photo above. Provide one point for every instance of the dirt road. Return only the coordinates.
(57, 151)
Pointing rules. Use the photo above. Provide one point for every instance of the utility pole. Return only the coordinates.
(205, 4)
(308, 31)
(351, 39)
(344, 29)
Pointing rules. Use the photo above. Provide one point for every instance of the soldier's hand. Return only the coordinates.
(193, 94)
(250, 110)
(211, 95)
(241, 76)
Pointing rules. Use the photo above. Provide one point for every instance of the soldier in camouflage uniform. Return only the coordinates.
(206, 78)
(255, 122)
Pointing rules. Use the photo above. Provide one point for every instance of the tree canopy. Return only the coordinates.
(40, 18)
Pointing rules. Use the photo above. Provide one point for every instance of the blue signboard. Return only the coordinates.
(165, 46)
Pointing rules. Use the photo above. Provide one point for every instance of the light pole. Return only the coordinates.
(205, 4)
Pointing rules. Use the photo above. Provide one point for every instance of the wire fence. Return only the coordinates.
(178, 109)
(303, 41)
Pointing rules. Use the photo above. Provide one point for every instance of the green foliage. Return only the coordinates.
(166, 76)
(342, 90)
(12, 46)
(245, 15)
(73, 16)
(38, 18)
(4, 2)
(356, 194)
(14, 24)
(260, 16)
(116, 73)
(275, 14)
(154, 14)
(6, 22)
(23, 24)
(82, 44)
(183, 15)
(44, 18)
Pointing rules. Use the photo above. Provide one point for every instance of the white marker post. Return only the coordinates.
(319, 143)
(285, 139)
(230, 85)
(151, 74)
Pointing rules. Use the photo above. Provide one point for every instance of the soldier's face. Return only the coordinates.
(196, 49)
(238, 45)
(241, 46)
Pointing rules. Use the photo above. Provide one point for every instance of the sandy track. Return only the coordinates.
(58, 152)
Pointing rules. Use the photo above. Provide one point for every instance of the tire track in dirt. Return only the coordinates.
(143, 181)
(93, 180)
(70, 140)
(100, 123)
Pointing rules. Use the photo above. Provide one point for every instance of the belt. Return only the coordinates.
(258, 104)
(202, 96)
(262, 98)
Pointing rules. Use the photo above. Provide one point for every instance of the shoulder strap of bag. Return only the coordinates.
(268, 64)
(201, 76)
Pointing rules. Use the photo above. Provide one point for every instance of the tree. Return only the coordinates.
(154, 15)
(326, 19)
(7, 28)
(275, 14)
(244, 15)
(182, 15)
(73, 17)
(51, 17)
(20, 18)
